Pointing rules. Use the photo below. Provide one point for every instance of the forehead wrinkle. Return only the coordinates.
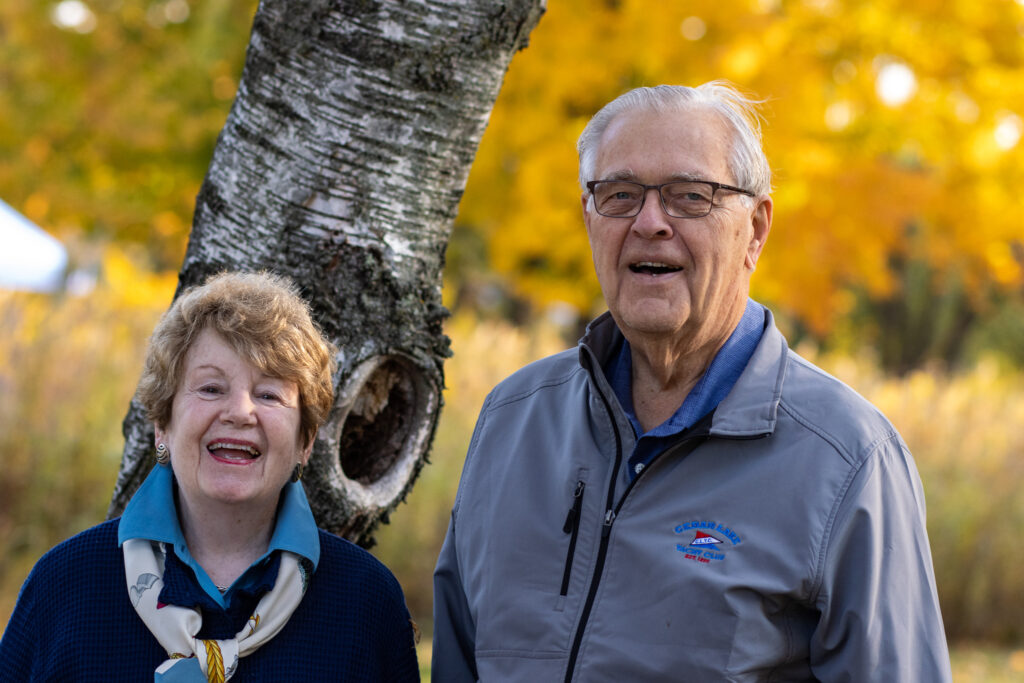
(209, 366)
(695, 139)
(630, 175)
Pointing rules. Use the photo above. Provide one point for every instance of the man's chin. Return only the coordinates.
(652, 321)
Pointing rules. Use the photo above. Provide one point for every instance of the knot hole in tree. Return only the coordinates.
(386, 419)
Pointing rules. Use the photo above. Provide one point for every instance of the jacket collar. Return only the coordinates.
(751, 408)
(600, 341)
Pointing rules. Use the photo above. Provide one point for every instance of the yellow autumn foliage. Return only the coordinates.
(894, 130)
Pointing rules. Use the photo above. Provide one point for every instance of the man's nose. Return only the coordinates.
(652, 221)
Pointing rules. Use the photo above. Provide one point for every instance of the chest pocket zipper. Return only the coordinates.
(572, 526)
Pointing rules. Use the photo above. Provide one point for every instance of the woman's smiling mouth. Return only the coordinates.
(233, 452)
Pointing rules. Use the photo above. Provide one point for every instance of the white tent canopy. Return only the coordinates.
(30, 259)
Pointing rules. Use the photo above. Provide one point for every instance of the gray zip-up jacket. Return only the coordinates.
(782, 538)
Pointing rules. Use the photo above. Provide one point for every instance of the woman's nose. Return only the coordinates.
(240, 408)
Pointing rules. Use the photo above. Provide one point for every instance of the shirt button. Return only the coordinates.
(638, 468)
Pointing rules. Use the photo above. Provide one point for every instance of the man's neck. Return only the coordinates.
(665, 370)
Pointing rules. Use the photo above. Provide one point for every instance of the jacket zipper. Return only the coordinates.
(572, 526)
(609, 517)
(611, 510)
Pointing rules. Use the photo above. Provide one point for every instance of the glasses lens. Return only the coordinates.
(687, 199)
(618, 199)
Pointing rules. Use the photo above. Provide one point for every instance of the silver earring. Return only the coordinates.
(297, 472)
(163, 456)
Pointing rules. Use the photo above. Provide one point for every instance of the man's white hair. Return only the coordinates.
(747, 162)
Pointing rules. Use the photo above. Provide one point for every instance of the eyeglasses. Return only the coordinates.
(679, 198)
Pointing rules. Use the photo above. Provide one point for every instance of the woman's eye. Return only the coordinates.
(209, 389)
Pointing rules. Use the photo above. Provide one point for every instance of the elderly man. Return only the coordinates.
(683, 498)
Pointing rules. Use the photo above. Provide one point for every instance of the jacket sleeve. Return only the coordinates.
(880, 618)
(454, 647)
(454, 643)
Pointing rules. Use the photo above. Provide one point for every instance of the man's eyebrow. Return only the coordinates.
(624, 174)
(686, 176)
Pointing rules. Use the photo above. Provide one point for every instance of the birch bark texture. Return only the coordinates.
(341, 165)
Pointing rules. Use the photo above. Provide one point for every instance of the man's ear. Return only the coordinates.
(761, 224)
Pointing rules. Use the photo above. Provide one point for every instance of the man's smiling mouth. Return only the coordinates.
(653, 268)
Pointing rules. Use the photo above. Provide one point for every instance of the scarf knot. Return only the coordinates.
(192, 659)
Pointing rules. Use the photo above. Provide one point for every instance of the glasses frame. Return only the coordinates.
(715, 187)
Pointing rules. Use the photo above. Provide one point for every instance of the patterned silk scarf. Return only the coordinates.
(193, 659)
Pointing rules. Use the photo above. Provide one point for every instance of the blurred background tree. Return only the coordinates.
(110, 111)
(894, 130)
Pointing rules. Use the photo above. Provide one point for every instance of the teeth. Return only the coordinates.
(654, 267)
(232, 446)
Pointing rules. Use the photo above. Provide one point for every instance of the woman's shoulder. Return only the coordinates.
(352, 595)
(336, 549)
(343, 560)
(87, 559)
(94, 547)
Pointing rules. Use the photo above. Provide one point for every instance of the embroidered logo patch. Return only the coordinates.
(704, 539)
(705, 543)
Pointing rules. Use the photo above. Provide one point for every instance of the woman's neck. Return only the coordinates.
(225, 541)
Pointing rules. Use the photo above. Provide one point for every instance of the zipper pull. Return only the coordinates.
(574, 511)
(609, 518)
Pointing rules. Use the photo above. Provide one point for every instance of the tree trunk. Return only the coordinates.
(341, 165)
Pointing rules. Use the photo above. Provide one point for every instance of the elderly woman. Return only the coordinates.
(217, 571)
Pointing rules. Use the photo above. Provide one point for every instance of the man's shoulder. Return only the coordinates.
(546, 373)
(806, 383)
(833, 409)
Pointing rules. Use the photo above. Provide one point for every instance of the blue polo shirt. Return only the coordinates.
(715, 385)
(152, 514)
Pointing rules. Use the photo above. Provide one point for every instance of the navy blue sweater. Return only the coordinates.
(74, 621)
